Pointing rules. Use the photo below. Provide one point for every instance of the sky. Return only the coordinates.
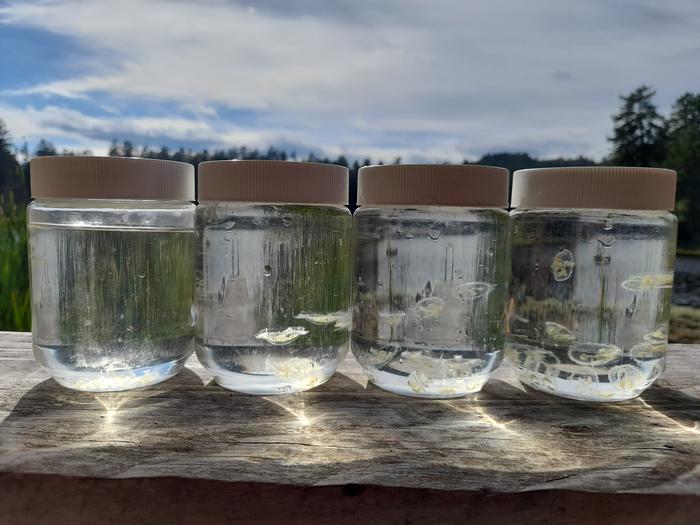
(421, 80)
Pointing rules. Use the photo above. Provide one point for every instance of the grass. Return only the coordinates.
(685, 325)
(15, 309)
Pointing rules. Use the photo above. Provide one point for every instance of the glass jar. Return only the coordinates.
(111, 245)
(273, 274)
(432, 268)
(592, 260)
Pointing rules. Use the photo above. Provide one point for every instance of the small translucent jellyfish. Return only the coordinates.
(296, 368)
(392, 318)
(539, 367)
(433, 234)
(563, 265)
(644, 283)
(627, 378)
(430, 307)
(282, 337)
(648, 350)
(585, 381)
(342, 321)
(418, 381)
(594, 354)
(557, 334)
(471, 291)
(321, 319)
(659, 335)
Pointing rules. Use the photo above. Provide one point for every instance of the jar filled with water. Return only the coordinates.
(432, 268)
(273, 273)
(593, 257)
(111, 245)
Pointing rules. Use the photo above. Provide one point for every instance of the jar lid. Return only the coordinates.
(272, 181)
(65, 177)
(595, 187)
(433, 184)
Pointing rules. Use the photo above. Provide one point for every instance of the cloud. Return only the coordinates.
(415, 79)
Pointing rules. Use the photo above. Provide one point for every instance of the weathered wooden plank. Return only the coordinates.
(176, 500)
(503, 440)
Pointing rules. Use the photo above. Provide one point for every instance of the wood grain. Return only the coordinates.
(504, 440)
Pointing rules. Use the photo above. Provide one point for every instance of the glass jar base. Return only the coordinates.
(268, 385)
(117, 380)
(435, 389)
(576, 389)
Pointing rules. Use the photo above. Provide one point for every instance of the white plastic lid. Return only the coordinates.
(111, 178)
(595, 187)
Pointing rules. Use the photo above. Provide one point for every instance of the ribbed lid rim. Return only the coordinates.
(468, 185)
(83, 177)
(273, 181)
(595, 187)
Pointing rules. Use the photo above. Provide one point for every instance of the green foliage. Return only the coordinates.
(639, 137)
(683, 155)
(15, 311)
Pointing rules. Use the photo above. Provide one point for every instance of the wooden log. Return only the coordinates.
(502, 441)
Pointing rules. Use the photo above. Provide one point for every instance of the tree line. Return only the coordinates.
(641, 136)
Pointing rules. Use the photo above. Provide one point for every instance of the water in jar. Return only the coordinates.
(112, 292)
(431, 285)
(588, 317)
(273, 294)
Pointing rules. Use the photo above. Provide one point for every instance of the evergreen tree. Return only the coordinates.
(684, 157)
(114, 149)
(128, 148)
(10, 175)
(639, 137)
(45, 149)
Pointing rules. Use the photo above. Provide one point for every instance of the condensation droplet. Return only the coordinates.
(267, 270)
(380, 284)
(229, 225)
(608, 224)
(286, 221)
(433, 234)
